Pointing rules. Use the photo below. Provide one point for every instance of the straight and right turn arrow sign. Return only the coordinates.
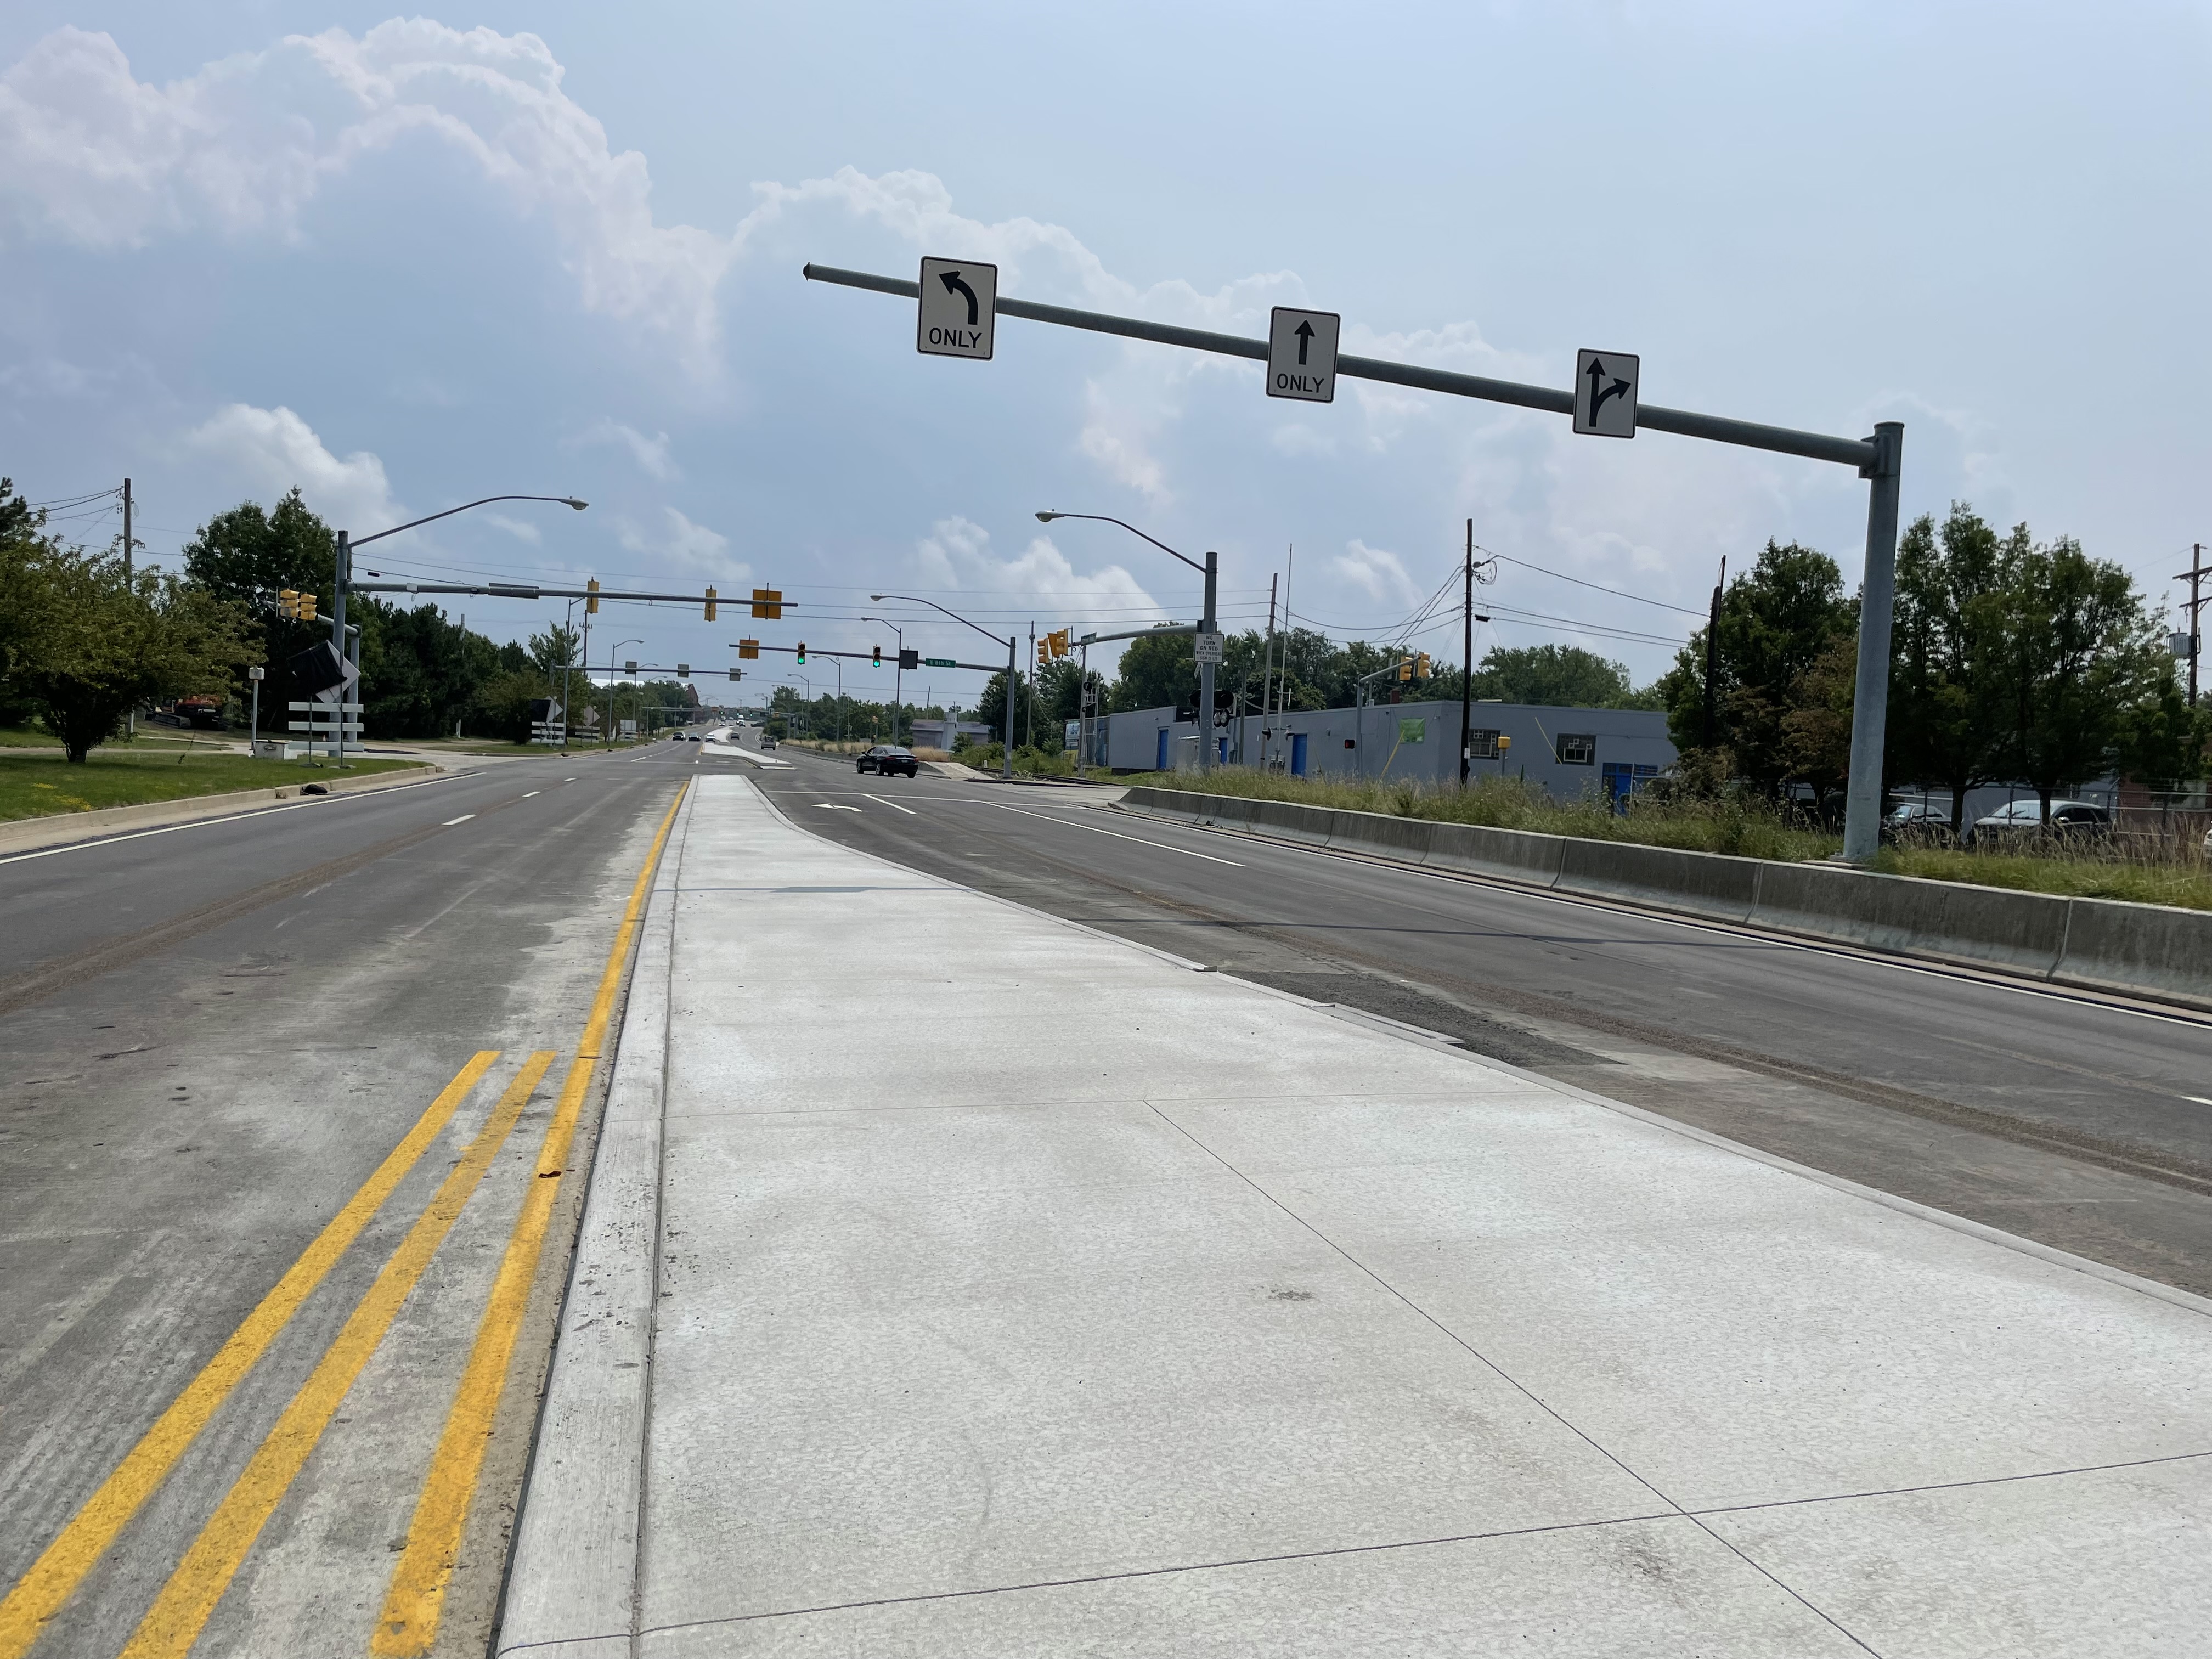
(1605, 393)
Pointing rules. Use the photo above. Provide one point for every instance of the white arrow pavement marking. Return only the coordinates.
(1096, 831)
(464, 818)
(893, 804)
(835, 806)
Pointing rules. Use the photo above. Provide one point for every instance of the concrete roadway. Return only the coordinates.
(213, 1038)
(2071, 1120)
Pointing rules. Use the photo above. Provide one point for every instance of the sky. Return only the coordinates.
(403, 263)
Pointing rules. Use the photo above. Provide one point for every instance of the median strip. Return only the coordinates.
(173, 1624)
(41, 1592)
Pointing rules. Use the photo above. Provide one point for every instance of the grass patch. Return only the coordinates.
(1030, 763)
(2138, 871)
(46, 785)
(37, 737)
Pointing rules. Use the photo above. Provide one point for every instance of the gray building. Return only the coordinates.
(1568, 752)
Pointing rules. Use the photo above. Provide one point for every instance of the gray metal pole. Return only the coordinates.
(1208, 624)
(337, 630)
(1877, 596)
(1466, 677)
(1006, 750)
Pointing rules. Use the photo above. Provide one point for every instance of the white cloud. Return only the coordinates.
(651, 455)
(269, 451)
(1377, 572)
(518, 529)
(681, 545)
(1040, 580)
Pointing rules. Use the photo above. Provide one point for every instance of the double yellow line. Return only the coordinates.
(409, 1625)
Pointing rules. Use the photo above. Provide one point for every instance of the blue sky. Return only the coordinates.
(556, 247)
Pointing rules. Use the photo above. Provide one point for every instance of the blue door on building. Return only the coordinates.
(1622, 780)
(1298, 754)
(1160, 760)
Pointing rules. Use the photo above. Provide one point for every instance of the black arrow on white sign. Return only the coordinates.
(954, 285)
(1599, 394)
(1305, 333)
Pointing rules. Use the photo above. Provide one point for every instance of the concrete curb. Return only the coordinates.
(28, 835)
(2148, 950)
(573, 1577)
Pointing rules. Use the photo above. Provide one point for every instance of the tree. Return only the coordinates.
(1777, 621)
(1945, 719)
(1562, 676)
(2080, 657)
(559, 646)
(100, 641)
(991, 706)
(1157, 671)
(246, 557)
(21, 542)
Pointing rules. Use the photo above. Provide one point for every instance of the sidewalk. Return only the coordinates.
(958, 1281)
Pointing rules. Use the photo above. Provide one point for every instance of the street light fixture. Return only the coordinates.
(1208, 624)
(1006, 750)
(345, 547)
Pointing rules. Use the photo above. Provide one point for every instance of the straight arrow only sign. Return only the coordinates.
(1302, 355)
(959, 305)
(1605, 393)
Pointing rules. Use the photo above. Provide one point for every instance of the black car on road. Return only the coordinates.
(887, 758)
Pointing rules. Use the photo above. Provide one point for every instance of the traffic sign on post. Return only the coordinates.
(1302, 355)
(959, 302)
(1605, 393)
(1209, 646)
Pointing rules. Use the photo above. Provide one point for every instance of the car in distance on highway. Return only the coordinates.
(2070, 820)
(887, 758)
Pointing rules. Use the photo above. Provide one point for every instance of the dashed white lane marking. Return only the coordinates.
(527, 793)
(464, 818)
(893, 804)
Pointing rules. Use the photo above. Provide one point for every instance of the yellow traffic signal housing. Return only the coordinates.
(710, 605)
(1421, 666)
(591, 600)
(1058, 640)
(1405, 669)
(767, 603)
(307, 607)
(1044, 651)
(287, 604)
(748, 649)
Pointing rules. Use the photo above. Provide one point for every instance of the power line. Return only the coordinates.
(1618, 593)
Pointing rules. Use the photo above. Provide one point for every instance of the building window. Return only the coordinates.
(1576, 749)
(1482, 745)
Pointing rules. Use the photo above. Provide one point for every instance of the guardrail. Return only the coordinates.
(2107, 944)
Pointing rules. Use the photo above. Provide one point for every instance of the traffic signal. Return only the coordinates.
(1058, 640)
(710, 605)
(1044, 651)
(287, 604)
(875, 656)
(592, 596)
(748, 649)
(1421, 666)
(307, 607)
(767, 603)
(802, 651)
(1405, 668)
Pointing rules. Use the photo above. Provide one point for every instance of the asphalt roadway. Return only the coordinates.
(219, 1039)
(2081, 1121)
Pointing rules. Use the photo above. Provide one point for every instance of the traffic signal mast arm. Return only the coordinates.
(868, 656)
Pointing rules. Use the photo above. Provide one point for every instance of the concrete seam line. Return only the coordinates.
(39, 1593)
(556, 1509)
(172, 1624)
(2173, 1007)
(2117, 1276)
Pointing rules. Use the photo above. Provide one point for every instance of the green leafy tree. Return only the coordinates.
(559, 646)
(1777, 622)
(21, 543)
(1157, 671)
(246, 557)
(1562, 676)
(1945, 723)
(2081, 660)
(100, 640)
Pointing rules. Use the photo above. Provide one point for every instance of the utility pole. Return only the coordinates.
(337, 633)
(1209, 625)
(1712, 635)
(2195, 575)
(1268, 674)
(1033, 680)
(133, 726)
(1467, 662)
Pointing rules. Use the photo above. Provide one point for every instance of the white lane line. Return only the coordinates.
(2199, 1099)
(464, 818)
(228, 817)
(568, 779)
(835, 806)
(893, 804)
(527, 793)
(1165, 846)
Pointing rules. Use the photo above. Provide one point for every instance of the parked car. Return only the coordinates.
(886, 759)
(2070, 820)
(1915, 820)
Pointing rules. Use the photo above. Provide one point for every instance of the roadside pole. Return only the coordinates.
(1006, 750)
(253, 730)
(1467, 673)
(338, 637)
(1712, 637)
(1209, 629)
(1877, 595)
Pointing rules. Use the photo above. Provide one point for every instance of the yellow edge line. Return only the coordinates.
(39, 1593)
(408, 1627)
(181, 1612)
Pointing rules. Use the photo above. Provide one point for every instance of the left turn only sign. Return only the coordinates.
(959, 304)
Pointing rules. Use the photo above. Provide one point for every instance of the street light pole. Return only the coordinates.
(613, 705)
(898, 672)
(1006, 751)
(1209, 622)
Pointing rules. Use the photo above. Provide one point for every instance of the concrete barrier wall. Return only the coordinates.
(2144, 950)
